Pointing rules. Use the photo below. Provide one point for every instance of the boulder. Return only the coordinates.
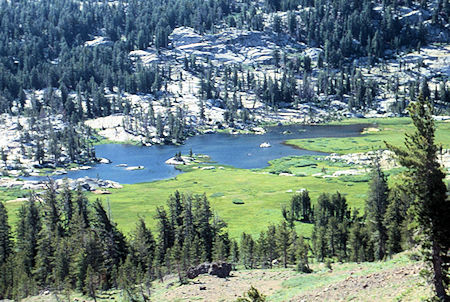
(184, 36)
(208, 168)
(104, 161)
(134, 168)
(175, 161)
(98, 41)
(219, 269)
(101, 192)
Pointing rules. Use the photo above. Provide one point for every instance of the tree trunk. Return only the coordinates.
(437, 271)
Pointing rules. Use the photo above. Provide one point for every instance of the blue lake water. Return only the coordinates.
(241, 151)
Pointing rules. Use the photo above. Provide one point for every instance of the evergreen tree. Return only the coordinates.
(52, 211)
(4, 156)
(165, 236)
(202, 221)
(376, 206)
(45, 256)
(271, 241)
(431, 207)
(114, 245)
(7, 270)
(253, 296)
(395, 221)
(359, 242)
(284, 241)
(62, 264)
(299, 209)
(247, 251)
(234, 252)
(89, 264)
(5, 236)
(92, 282)
(82, 211)
(261, 250)
(143, 247)
(303, 256)
(67, 206)
(28, 230)
(128, 277)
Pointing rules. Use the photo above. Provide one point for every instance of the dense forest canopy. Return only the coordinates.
(42, 43)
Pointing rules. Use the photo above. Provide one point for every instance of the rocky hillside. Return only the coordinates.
(156, 72)
(397, 279)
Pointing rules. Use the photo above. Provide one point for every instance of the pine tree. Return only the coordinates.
(318, 236)
(306, 211)
(5, 236)
(90, 256)
(253, 296)
(292, 250)
(283, 239)
(82, 211)
(299, 209)
(189, 233)
(4, 156)
(28, 230)
(128, 277)
(261, 250)
(165, 236)
(7, 270)
(114, 245)
(52, 211)
(272, 252)
(143, 247)
(247, 251)
(358, 242)
(67, 206)
(302, 255)
(92, 282)
(62, 264)
(202, 221)
(394, 219)
(376, 206)
(425, 90)
(431, 207)
(45, 256)
(176, 209)
(221, 248)
(23, 284)
(234, 252)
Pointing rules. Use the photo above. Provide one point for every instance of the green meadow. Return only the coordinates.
(391, 130)
(250, 200)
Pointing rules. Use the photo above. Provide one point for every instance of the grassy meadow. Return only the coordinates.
(391, 130)
(261, 193)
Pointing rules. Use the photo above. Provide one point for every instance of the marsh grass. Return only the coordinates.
(392, 130)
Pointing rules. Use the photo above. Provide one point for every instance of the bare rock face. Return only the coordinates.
(219, 269)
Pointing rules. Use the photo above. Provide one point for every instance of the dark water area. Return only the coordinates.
(240, 151)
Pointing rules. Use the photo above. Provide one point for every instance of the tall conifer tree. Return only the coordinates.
(376, 205)
(431, 206)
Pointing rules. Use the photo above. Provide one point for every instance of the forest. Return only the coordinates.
(42, 45)
(65, 63)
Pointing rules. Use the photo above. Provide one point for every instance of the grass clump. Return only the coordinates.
(238, 201)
